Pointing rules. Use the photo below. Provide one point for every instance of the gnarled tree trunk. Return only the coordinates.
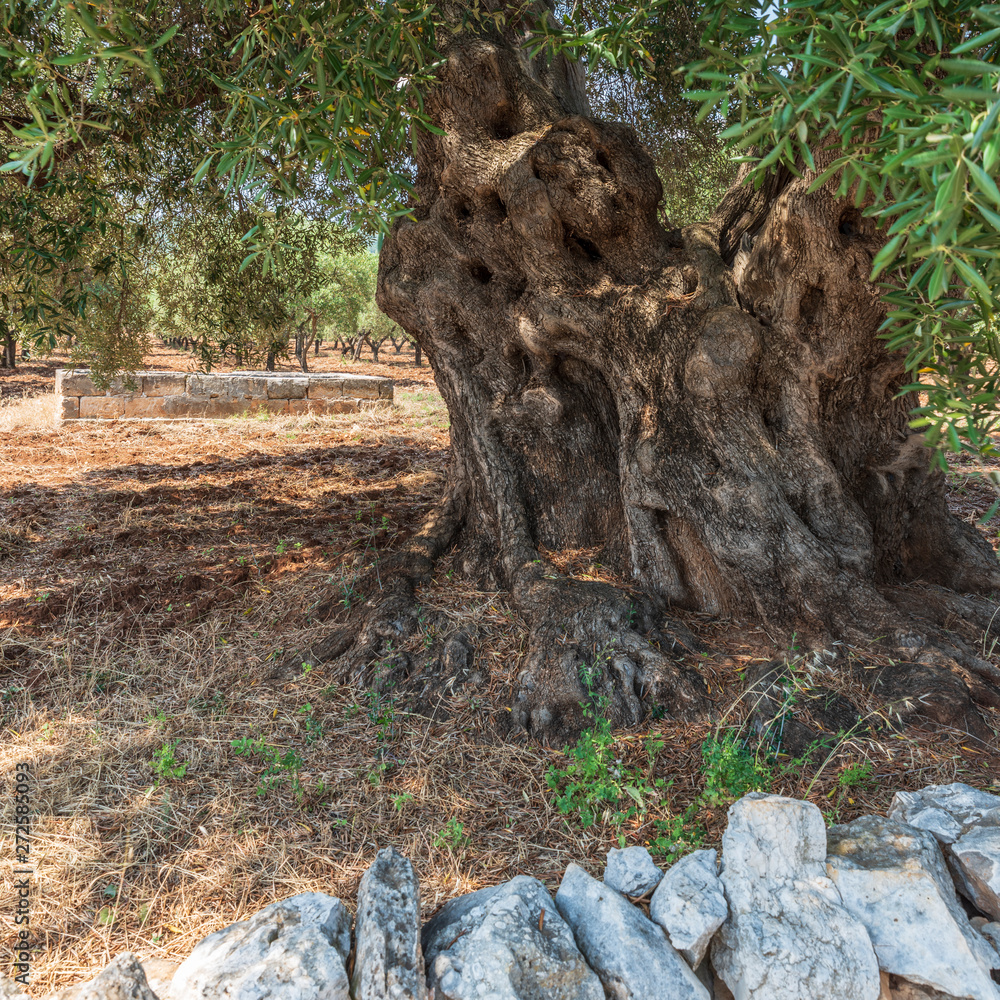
(710, 410)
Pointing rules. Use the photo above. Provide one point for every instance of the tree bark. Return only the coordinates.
(709, 412)
(9, 348)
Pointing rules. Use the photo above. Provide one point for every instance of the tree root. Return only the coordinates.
(594, 647)
(598, 646)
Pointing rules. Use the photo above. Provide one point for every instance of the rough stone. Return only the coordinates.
(163, 383)
(122, 979)
(689, 904)
(337, 405)
(101, 407)
(630, 954)
(991, 931)
(146, 407)
(976, 862)
(76, 382)
(184, 406)
(894, 879)
(69, 408)
(255, 387)
(287, 388)
(10, 990)
(631, 871)
(210, 386)
(947, 811)
(325, 388)
(389, 962)
(291, 950)
(506, 942)
(902, 989)
(359, 386)
(787, 936)
(159, 973)
(276, 406)
(173, 395)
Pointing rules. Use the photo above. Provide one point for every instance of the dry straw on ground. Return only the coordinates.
(150, 578)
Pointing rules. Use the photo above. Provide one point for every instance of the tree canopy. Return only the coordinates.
(898, 98)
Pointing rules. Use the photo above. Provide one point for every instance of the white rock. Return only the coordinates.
(901, 989)
(946, 810)
(291, 950)
(689, 904)
(630, 954)
(122, 979)
(631, 871)
(159, 973)
(11, 990)
(506, 942)
(990, 931)
(894, 879)
(388, 962)
(787, 936)
(976, 863)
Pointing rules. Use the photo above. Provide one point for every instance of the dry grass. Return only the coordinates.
(34, 413)
(150, 577)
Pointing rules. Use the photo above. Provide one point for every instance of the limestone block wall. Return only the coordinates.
(176, 395)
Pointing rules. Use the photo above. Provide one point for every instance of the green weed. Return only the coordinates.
(165, 764)
(280, 765)
(452, 836)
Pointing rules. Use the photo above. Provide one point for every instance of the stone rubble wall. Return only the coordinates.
(904, 907)
(179, 396)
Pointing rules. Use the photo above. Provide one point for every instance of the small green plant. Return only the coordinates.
(157, 718)
(677, 835)
(314, 729)
(595, 783)
(382, 706)
(856, 775)
(165, 764)
(853, 776)
(452, 836)
(349, 594)
(400, 800)
(731, 770)
(280, 764)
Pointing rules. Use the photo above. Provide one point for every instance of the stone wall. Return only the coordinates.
(176, 395)
(904, 907)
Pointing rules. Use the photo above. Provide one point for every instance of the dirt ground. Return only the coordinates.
(152, 575)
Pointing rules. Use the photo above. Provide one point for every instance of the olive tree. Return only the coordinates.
(721, 412)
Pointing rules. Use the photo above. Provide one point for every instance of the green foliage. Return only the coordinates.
(452, 836)
(856, 775)
(119, 112)
(595, 784)
(731, 770)
(902, 100)
(281, 764)
(400, 800)
(241, 281)
(165, 764)
(314, 728)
